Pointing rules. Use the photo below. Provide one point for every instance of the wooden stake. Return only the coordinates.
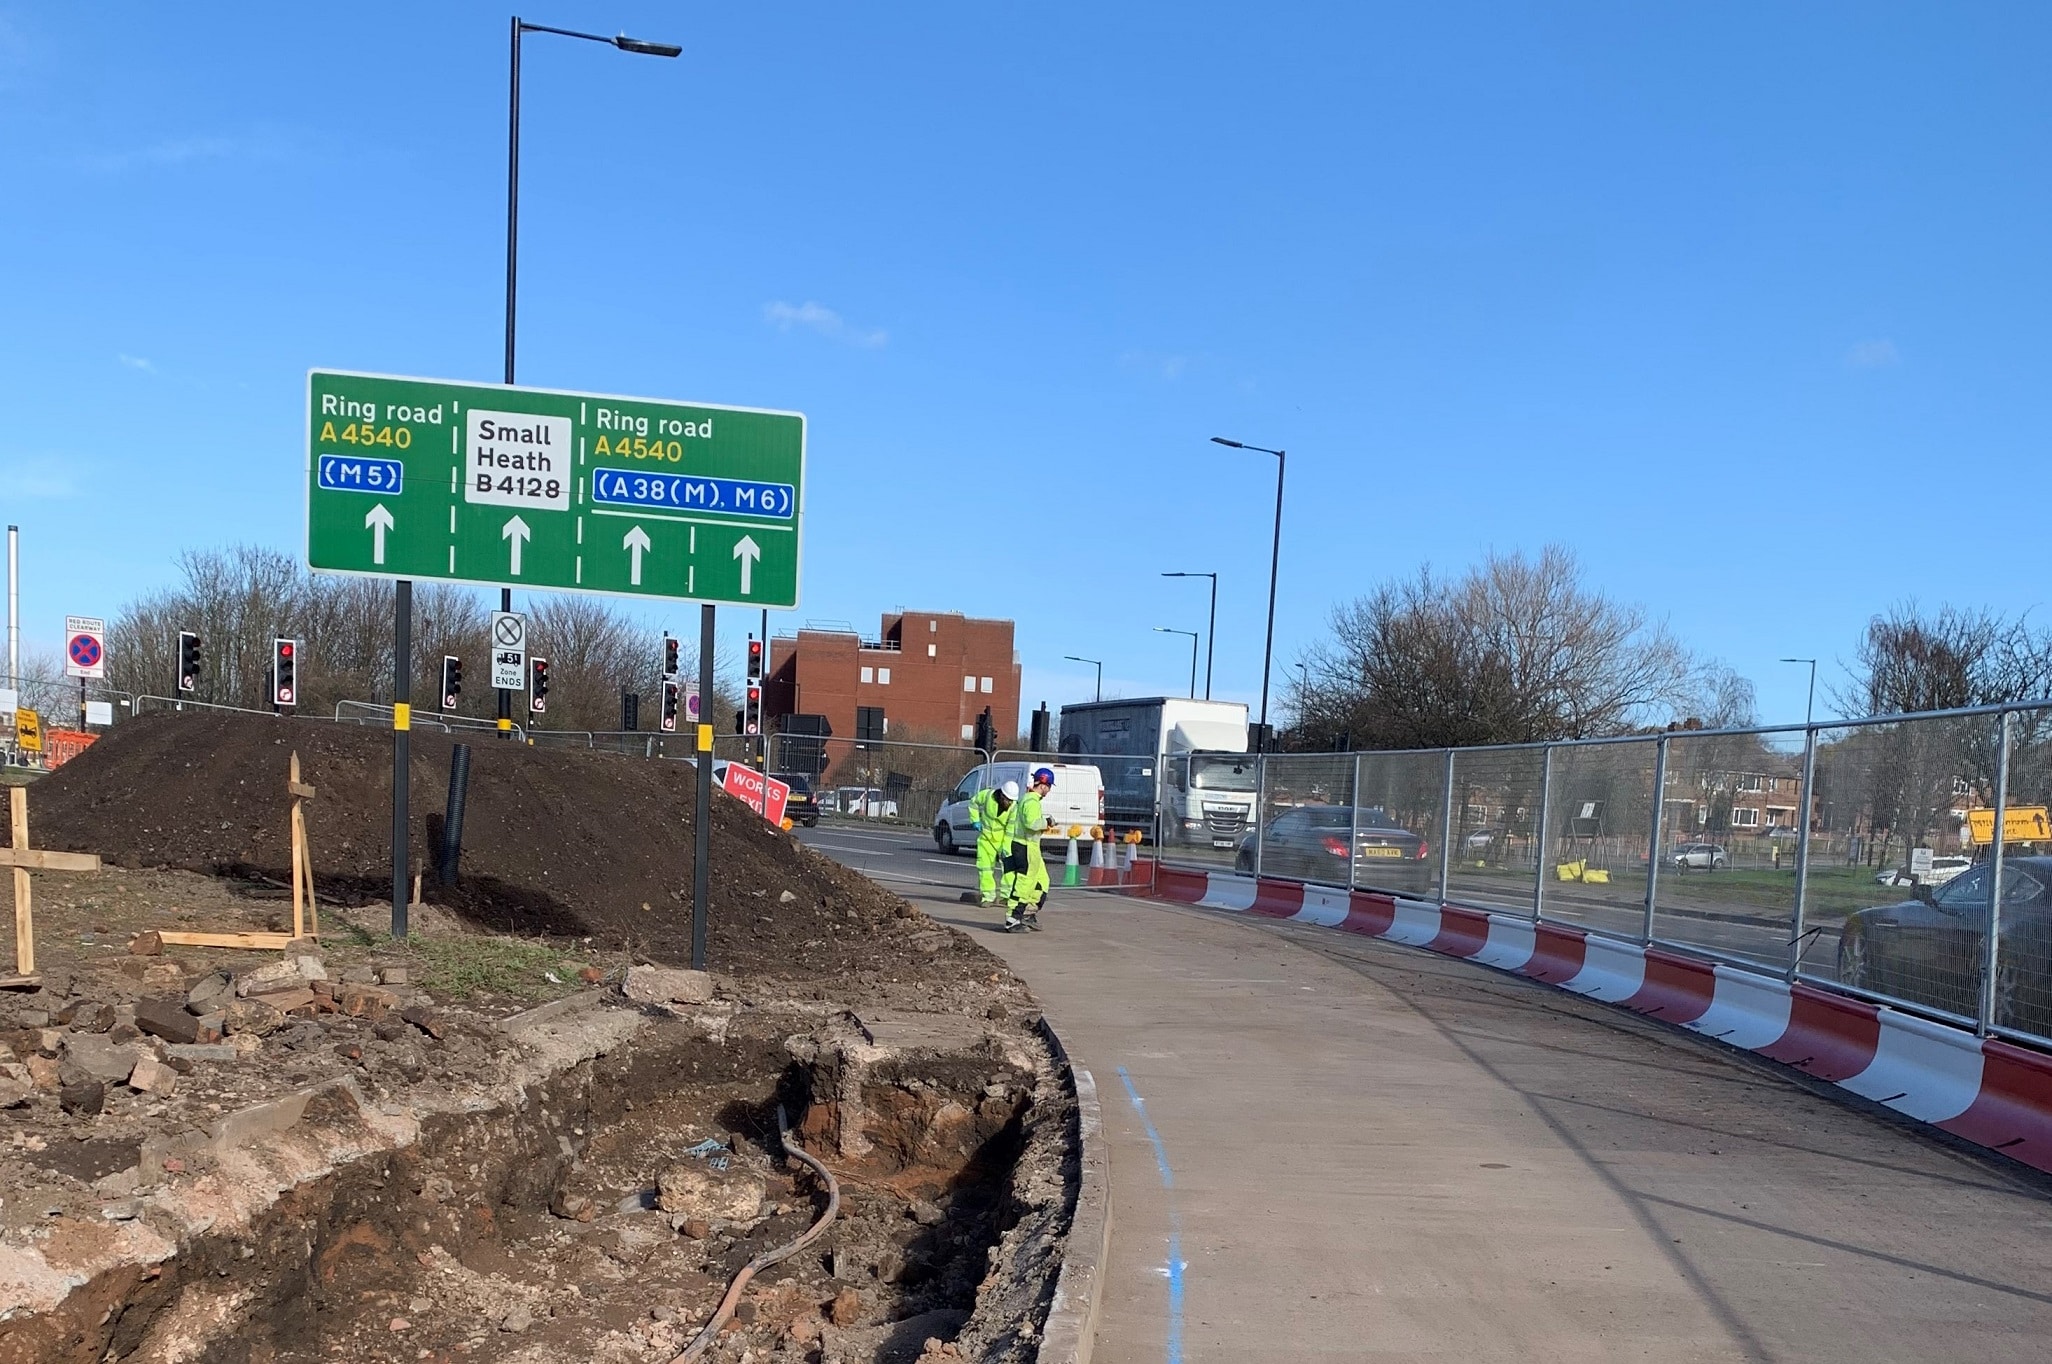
(306, 915)
(24, 909)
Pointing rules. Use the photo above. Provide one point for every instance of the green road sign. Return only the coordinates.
(535, 487)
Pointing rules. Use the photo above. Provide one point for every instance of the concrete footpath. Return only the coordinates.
(1326, 1148)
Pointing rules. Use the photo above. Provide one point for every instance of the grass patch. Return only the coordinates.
(465, 967)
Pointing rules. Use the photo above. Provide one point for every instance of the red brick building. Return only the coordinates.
(926, 675)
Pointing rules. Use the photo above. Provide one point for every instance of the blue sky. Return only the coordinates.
(1743, 302)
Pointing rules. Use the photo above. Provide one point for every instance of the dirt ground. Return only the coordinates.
(577, 846)
(574, 868)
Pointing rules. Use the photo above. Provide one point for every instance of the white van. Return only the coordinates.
(1076, 800)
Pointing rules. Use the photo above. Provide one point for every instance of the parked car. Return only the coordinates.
(867, 802)
(1701, 857)
(1930, 949)
(802, 806)
(1943, 869)
(1311, 843)
(1076, 800)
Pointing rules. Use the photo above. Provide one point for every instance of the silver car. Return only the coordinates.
(1701, 857)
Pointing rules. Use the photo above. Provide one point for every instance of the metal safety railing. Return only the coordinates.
(1863, 854)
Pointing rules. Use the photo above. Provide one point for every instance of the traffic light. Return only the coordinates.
(754, 659)
(752, 716)
(452, 681)
(188, 660)
(538, 685)
(986, 732)
(669, 656)
(670, 693)
(284, 672)
(630, 710)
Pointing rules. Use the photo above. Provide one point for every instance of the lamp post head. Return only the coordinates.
(1221, 440)
(647, 48)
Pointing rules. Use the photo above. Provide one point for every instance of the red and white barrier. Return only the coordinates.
(1986, 1091)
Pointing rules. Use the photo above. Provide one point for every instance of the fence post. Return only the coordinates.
(1353, 820)
(1796, 943)
(1260, 811)
(1653, 838)
(1991, 952)
(1446, 828)
(1539, 843)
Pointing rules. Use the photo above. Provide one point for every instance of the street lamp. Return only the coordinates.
(1274, 561)
(1210, 630)
(1811, 704)
(1100, 671)
(624, 43)
(1170, 630)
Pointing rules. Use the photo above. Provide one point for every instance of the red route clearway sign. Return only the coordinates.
(764, 795)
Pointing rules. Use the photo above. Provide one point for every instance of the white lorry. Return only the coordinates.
(1193, 754)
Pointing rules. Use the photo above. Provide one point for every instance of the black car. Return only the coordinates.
(1310, 843)
(802, 807)
(1930, 950)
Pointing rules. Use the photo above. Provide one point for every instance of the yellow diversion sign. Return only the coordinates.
(2020, 824)
(28, 731)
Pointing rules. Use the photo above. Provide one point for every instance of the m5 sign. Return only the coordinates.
(533, 487)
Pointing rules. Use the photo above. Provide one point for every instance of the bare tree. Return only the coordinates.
(1515, 651)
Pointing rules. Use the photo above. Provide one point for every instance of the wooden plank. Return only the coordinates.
(21, 982)
(262, 941)
(298, 873)
(313, 909)
(299, 789)
(17, 812)
(39, 859)
(24, 925)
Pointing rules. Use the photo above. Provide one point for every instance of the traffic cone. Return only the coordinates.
(1070, 873)
(1097, 864)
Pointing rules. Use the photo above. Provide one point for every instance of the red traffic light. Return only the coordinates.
(285, 649)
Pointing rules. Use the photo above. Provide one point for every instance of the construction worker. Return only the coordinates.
(988, 809)
(1027, 884)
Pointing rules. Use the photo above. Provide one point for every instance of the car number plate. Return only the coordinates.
(1382, 850)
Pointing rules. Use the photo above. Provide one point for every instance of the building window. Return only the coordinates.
(883, 677)
(869, 674)
(968, 734)
(1745, 817)
(968, 684)
(933, 651)
(1780, 817)
(933, 627)
(1750, 781)
(986, 686)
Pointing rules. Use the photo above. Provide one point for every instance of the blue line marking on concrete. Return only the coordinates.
(1168, 1176)
(1175, 1267)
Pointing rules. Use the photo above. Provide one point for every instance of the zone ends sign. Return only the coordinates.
(533, 487)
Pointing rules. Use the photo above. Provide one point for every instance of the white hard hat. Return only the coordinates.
(1010, 790)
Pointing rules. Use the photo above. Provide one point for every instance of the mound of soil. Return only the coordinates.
(558, 843)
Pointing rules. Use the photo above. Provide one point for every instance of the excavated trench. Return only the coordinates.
(601, 1213)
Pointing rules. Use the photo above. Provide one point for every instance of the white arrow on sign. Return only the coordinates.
(636, 545)
(378, 521)
(747, 552)
(516, 531)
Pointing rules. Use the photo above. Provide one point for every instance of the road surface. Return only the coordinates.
(1331, 1148)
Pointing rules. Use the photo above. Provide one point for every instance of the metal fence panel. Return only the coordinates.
(1495, 827)
(1599, 826)
(1207, 805)
(2022, 996)
(1890, 795)
(879, 781)
(1731, 817)
(1307, 818)
(1400, 793)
